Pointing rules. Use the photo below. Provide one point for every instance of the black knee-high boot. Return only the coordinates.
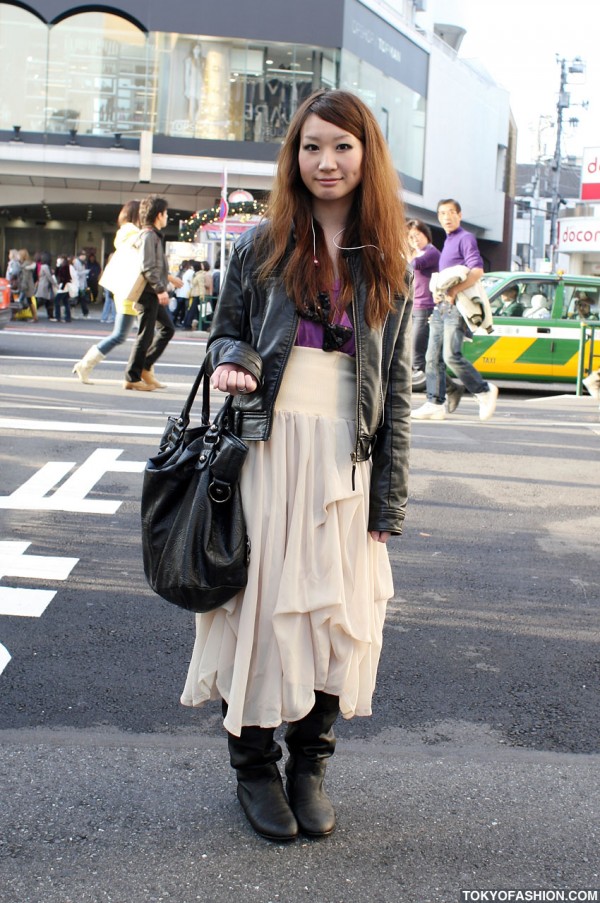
(254, 755)
(311, 742)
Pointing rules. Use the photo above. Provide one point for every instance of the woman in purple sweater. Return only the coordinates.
(425, 258)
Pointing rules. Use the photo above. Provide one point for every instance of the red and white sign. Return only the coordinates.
(590, 174)
(579, 233)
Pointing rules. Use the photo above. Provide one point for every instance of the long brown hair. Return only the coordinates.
(376, 218)
(129, 213)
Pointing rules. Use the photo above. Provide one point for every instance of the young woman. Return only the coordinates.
(63, 278)
(425, 258)
(129, 230)
(312, 335)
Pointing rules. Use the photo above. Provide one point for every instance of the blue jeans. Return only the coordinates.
(445, 350)
(82, 299)
(122, 328)
(62, 298)
(108, 311)
(420, 320)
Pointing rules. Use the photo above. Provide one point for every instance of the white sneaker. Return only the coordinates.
(429, 411)
(487, 402)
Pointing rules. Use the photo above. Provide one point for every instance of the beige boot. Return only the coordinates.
(592, 384)
(151, 380)
(84, 367)
(139, 386)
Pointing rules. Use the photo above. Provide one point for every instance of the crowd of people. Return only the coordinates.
(56, 287)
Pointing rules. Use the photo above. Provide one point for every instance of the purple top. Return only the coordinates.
(460, 247)
(424, 265)
(310, 334)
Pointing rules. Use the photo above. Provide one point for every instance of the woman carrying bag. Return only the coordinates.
(128, 232)
(312, 337)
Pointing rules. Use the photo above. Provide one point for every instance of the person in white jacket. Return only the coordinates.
(129, 229)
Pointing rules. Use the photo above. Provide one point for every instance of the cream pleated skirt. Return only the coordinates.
(311, 617)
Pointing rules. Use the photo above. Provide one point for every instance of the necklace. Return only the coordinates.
(334, 334)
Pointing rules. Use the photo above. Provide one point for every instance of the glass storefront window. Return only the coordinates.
(400, 111)
(235, 90)
(99, 80)
(23, 61)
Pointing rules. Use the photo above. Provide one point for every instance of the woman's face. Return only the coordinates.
(417, 240)
(330, 160)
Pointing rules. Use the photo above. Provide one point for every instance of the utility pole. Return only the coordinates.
(564, 102)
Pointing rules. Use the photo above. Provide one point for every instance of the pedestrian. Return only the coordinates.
(197, 295)
(128, 232)
(13, 270)
(183, 294)
(94, 269)
(208, 308)
(216, 280)
(447, 326)
(424, 257)
(312, 335)
(109, 310)
(27, 280)
(155, 325)
(81, 271)
(46, 287)
(63, 278)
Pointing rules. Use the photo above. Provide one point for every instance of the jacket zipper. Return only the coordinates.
(358, 342)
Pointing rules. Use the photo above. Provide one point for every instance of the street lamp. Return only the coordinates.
(574, 67)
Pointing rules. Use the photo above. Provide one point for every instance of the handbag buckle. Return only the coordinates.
(212, 435)
(219, 491)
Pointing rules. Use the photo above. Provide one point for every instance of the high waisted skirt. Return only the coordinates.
(311, 617)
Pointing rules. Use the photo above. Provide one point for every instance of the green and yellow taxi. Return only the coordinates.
(537, 327)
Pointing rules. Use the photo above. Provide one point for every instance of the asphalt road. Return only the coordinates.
(479, 767)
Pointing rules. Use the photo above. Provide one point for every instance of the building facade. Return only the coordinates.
(110, 101)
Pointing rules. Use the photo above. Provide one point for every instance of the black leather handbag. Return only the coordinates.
(195, 547)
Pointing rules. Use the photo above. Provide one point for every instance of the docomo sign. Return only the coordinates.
(590, 174)
(579, 234)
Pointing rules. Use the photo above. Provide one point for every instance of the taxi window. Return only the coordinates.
(580, 303)
(524, 298)
(538, 299)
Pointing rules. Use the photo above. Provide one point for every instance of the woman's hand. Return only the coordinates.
(233, 379)
(379, 535)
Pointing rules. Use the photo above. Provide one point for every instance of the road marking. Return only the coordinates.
(71, 496)
(60, 426)
(5, 657)
(27, 603)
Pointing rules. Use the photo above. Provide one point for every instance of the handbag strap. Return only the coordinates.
(184, 418)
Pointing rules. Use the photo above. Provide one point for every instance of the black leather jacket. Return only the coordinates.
(155, 267)
(255, 326)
